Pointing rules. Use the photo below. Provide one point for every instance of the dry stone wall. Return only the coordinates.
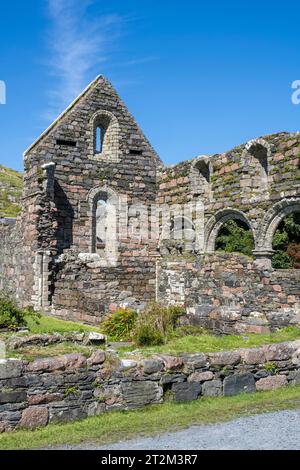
(72, 387)
(229, 293)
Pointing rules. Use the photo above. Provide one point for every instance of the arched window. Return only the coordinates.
(200, 176)
(101, 226)
(104, 213)
(229, 230)
(99, 139)
(260, 153)
(235, 236)
(105, 141)
(255, 164)
(204, 171)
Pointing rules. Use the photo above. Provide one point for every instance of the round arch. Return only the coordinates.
(273, 218)
(109, 124)
(215, 223)
(102, 193)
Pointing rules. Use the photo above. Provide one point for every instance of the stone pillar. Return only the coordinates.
(42, 273)
(263, 259)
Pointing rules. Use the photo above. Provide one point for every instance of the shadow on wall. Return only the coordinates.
(65, 219)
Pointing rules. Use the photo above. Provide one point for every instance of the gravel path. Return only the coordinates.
(280, 430)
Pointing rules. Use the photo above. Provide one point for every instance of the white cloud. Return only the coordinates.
(77, 45)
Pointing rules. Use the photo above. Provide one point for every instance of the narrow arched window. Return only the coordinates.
(204, 172)
(101, 225)
(99, 139)
(105, 141)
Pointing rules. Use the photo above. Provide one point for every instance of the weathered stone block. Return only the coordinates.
(34, 417)
(10, 368)
(151, 366)
(200, 376)
(212, 388)
(253, 356)
(172, 378)
(58, 415)
(137, 394)
(98, 357)
(186, 391)
(172, 362)
(12, 397)
(224, 358)
(271, 383)
(239, 383)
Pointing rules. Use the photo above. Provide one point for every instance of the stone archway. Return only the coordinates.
(272, 219)
(215, 223)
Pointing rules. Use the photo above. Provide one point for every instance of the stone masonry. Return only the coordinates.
(52, 255)
(72, 387)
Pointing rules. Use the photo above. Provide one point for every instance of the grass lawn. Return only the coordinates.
(210, 343)
(115, 426)
(53, 325)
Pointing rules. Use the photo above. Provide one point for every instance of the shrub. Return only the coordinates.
(156, 324)
(146, 334)
(120, 324)
(12, 316)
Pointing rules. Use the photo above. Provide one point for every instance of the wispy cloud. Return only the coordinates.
(77, 45)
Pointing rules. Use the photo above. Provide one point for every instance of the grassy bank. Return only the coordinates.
(210, 343)
(115, 426)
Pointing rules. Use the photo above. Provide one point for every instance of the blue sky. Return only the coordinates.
(199, 77)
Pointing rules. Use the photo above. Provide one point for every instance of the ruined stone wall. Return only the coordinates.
(72, 387)
(58, 267)
(257, 183)
(63, 177)
(13, 261)
(230, 293)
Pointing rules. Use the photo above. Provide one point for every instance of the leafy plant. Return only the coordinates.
(286, 243)
(271, 368)
(235, 236)
(12, 316)
(120, 324)
(156, 324)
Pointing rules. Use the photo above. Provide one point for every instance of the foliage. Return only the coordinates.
(235, 236)
(11, 183)
(286, 243)
(120, 324)
(271, 368)
(12, 316)
(156, 324)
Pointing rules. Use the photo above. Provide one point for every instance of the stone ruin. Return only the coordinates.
(93, 185)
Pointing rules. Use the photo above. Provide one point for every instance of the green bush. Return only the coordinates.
(156, 324)
(286, 243)
(12, 316)
(146, 334)
(235, 236)
(120, 324)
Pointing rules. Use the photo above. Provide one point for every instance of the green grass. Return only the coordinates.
(31, 353)
(51, 325)
(54, 325)
(11, 184)
(169, 416)
(210, 343)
